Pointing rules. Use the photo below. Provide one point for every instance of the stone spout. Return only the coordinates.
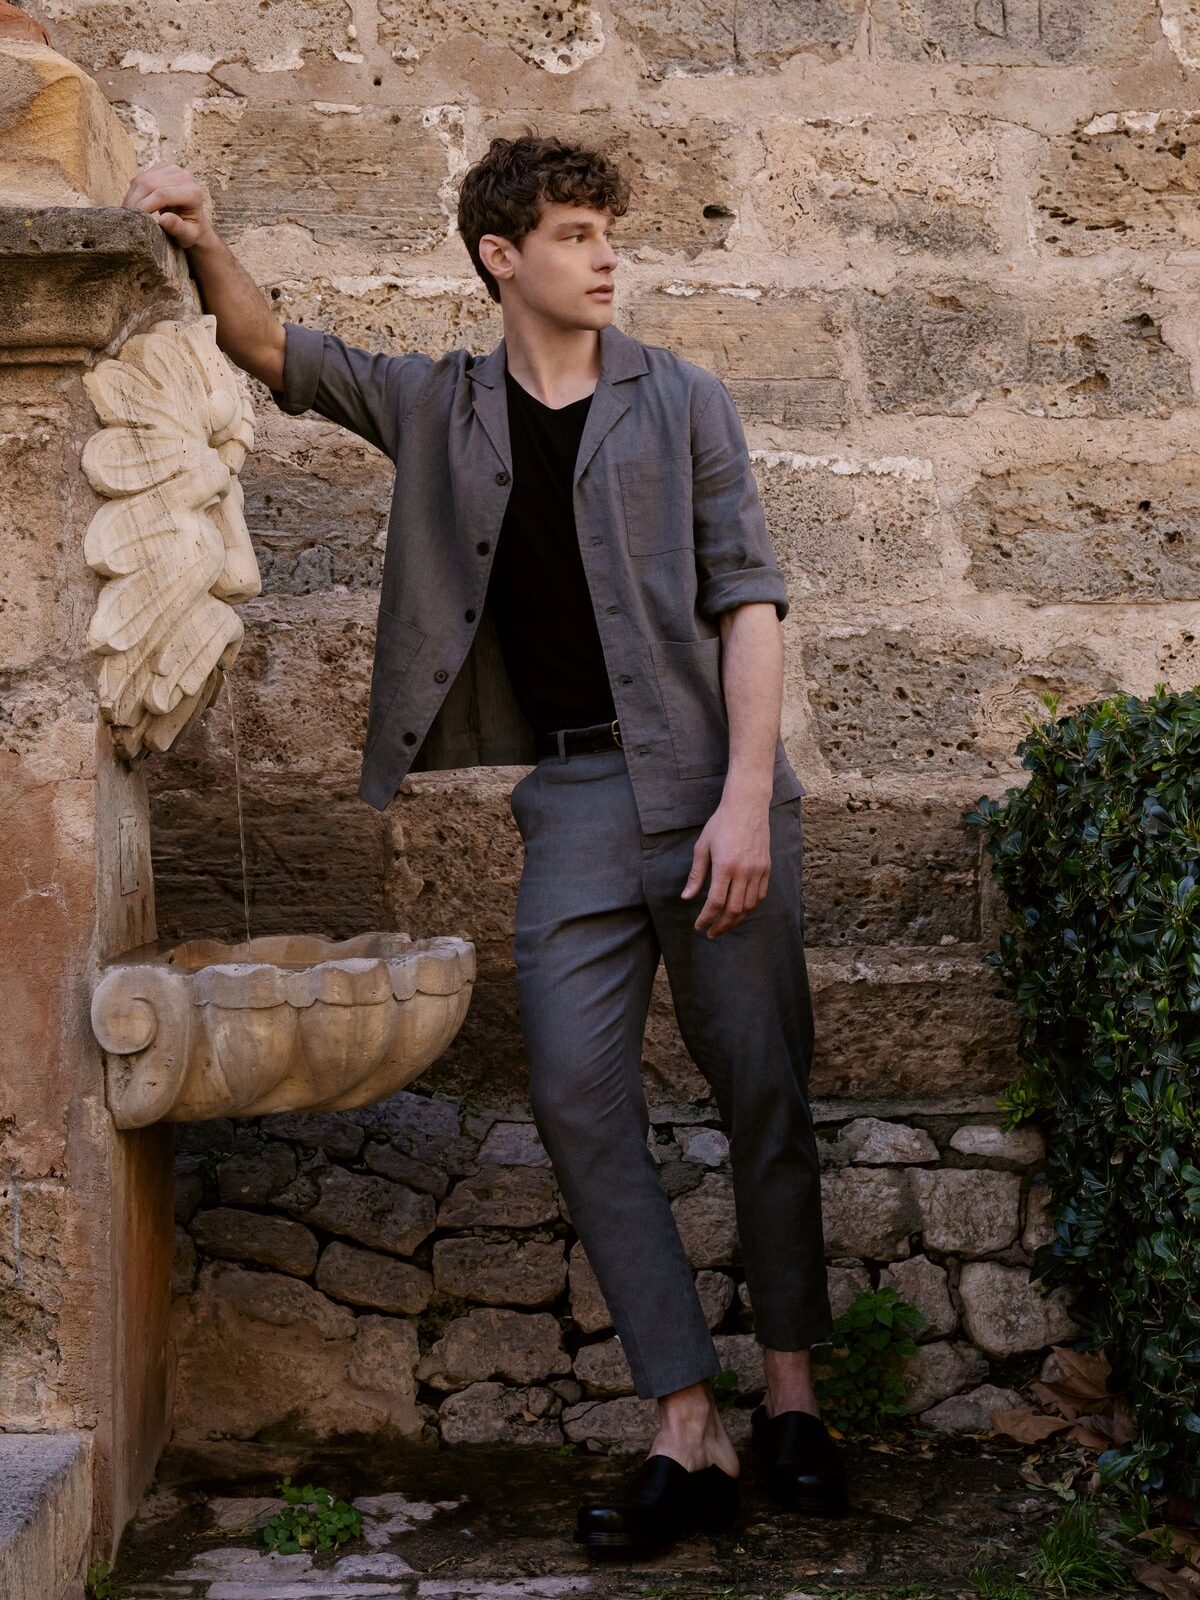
(293, 1022)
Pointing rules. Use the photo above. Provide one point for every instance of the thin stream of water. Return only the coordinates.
(237, 784)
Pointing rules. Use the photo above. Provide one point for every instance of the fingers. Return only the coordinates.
(700, 863)
(731, 898)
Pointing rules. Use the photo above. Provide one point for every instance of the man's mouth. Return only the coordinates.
(604, 291)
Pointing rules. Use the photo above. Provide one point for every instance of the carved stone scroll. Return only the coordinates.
(171, 542)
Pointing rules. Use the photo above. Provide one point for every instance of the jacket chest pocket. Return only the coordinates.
(656, 499)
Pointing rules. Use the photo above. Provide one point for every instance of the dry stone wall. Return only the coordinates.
(943, 254)
(410, 1268)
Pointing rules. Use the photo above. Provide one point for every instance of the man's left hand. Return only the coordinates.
(735, 844)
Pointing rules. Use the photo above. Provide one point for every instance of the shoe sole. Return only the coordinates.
(706, 1518)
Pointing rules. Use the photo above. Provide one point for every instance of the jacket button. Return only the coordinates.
(502, 477)
(469, 615)
(440, 675)
(483, 547)
(410, 738)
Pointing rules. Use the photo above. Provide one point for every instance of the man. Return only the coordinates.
(578, 574)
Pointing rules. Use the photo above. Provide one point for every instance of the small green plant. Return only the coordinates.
(100, 1583)
(312, 1520)
(725, 1388)
(1071, 1559)
(866, 1353)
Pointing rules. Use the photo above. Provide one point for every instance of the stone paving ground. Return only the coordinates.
(494, 1523)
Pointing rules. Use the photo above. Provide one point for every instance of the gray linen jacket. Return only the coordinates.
(670, 529)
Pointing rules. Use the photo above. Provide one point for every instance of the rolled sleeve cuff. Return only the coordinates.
(303, 353)
(737, 588)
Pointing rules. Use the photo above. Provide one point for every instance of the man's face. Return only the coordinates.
(561, 265)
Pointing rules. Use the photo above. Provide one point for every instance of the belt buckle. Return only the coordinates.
(616, 733)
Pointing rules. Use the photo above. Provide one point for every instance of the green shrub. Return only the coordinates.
(311, 1520)
(866, 1352)
(1098, 857)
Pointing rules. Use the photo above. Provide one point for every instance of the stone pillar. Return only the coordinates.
(85, 1209)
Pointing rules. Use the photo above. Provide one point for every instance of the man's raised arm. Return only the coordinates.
(248, 330)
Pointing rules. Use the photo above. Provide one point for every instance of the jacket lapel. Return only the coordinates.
(621, 357)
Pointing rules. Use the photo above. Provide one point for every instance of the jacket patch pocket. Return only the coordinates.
(396, 644)
(689, 680)
(656, 496)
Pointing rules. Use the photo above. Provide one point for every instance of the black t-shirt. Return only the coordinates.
(538, 590)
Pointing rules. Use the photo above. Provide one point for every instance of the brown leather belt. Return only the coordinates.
(579, 741)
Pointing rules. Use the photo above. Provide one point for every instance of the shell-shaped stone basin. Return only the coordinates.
(287, 1022)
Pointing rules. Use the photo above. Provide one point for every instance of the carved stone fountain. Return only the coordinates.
(196, 1030)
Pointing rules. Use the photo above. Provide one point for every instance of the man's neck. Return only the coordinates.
(555, 365)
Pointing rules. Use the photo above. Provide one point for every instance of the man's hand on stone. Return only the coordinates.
(174, 198)
(735, 843)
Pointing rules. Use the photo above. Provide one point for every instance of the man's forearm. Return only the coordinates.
(247, 329)
(752, 676)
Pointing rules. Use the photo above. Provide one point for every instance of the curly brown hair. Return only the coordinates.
(504, 190)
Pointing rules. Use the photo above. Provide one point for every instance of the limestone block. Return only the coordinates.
(496, 1342)
(491, 1413)
(884, 869)
(683, 175)
(270, 162)
(702, 36)
(47, 1512)
(1181, 24)
(34, 1293)
(1123, 178)
(967, 1211)
(250, 1236)
(277, 1299)
(254, 1175)
(367, 1278)
(183, 1262)
(936, 1371)
(1022, 1145)
(1005, 1311)
(371, 1210)
(741, 1354)
(515, 1144)
(623, 1425)
(384, 1356)
(171, 540)
(948, 350)
(1107, 530)
(530, 1273)
(501, 1197)
(588, 1308)
(1039, 1218)
(779, 352)
(339, 1135)
(603, 1369)
(845, 1284)
(923, 1283)
(709, 1147)
(558, 40)
(61, 143)
(31, 443)
(926, 183)
(866, 1212)
(849, 528)
(874, 1142)
(182, 36)
(971, 1412)
(706, 1221)
(389, 1163)
(1016, 32)
(716, 1291)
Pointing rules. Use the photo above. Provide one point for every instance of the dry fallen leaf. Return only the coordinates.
(1181, 1585)
(1026, 1424)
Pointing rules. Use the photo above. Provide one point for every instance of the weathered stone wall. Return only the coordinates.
(410, 1268)
(942, 251)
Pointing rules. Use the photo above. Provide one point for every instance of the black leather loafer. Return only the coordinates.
(663, 1501)
(805, 1469)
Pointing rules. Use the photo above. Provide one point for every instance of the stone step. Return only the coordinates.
(45, 1515)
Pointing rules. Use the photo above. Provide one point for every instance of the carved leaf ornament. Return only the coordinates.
(171, 541)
